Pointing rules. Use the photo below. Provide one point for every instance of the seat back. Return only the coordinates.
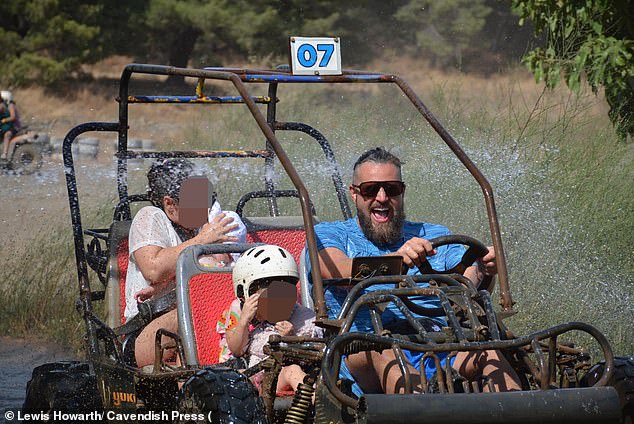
(209, 290)
(305, 288)
(284, 231)
(118, 258)
(287, 232)
(207, 312)
(203, 294)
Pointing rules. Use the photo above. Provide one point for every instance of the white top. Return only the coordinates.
(151, 227)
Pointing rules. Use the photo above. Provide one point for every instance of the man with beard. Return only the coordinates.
(380, 229)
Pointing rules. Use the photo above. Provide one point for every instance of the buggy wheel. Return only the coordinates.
(220, 395)
(27, 158)
(62, 386)
(622, 380)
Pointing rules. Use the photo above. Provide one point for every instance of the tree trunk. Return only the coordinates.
(180, 52)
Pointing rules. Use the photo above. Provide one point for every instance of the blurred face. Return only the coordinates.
(196, 196)
(278, 296)
(377, 192)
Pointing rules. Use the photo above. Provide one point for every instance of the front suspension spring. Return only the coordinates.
(302, 400)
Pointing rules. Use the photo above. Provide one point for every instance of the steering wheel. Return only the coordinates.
(475, 250)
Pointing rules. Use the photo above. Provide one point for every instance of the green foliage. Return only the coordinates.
(44, 40)
(222, 29)
(444, 29)
(591, 38)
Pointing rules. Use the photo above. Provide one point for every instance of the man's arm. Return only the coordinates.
(158, 264)
(485, 268)
(334, 263)
(474, 274)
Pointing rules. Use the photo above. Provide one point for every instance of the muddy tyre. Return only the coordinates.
(27, 158)
(220, 395)
(622, 380)
(62, 386)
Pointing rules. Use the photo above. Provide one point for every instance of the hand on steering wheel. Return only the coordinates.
(475, 250)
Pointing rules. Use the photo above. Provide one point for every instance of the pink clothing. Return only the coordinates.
(302, 318)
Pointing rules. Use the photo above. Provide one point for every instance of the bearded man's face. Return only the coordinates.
(381, 216)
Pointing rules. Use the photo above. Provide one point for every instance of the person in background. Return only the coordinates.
(9, 121)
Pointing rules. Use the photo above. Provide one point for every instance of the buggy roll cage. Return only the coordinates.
(268, 125)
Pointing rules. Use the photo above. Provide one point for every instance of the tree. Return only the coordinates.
(594, 38)
(173, 27)
(444, 29)
(42, 41)
(203, 32)
(46, 41)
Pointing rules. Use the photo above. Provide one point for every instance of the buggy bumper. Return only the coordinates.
(580, 405)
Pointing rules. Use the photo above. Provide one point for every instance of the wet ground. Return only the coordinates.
(27, 203)
(18, 357)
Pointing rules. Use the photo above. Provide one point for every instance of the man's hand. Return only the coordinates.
(415, 251)
(487, 264)
(483, 271)
(285, 328)
(249, 309)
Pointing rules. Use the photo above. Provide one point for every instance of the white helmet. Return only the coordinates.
(6, 95)
(262, 262)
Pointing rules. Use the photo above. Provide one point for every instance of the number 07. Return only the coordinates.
(307, 55)
(315, 55)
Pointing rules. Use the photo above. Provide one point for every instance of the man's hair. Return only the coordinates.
(377, 155)
(165, 179)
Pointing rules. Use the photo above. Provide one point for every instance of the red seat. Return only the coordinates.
(219, 287)
(123, 258)
(210, 295)
(292, 240)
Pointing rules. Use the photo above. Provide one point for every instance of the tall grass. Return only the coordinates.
(39, 289)
(563, 187)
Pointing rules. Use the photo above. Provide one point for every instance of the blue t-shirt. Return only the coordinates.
(348, 237)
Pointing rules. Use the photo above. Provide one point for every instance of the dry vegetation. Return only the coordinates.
(93, 99)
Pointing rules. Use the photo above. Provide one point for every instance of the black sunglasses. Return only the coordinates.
(372, 188)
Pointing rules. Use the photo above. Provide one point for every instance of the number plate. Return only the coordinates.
(315, 55)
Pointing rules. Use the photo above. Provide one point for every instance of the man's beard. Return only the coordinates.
(382, 235)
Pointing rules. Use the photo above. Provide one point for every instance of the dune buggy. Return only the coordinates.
(560, 383)
(27, 149)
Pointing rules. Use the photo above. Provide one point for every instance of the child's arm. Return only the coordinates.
(238, 338)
